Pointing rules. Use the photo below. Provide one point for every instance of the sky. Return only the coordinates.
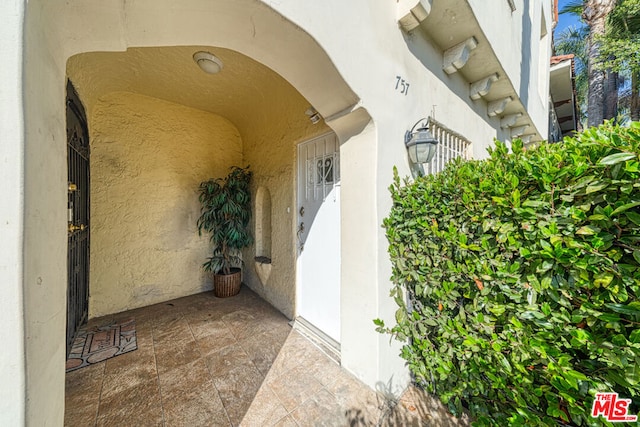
(566, 20)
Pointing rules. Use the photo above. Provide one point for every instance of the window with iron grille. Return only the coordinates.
(451, 145)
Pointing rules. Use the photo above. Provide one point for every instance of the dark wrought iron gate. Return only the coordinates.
(78, 215)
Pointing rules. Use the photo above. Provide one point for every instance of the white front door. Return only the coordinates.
(318, 214)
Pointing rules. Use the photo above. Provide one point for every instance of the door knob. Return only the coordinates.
(72, 187)
(73, 228)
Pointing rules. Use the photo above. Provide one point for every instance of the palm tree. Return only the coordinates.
(594, 14)
(620, 51)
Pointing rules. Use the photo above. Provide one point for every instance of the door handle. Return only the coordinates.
(298, 233)
(72, 228)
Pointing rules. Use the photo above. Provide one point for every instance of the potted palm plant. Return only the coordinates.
(225, 215)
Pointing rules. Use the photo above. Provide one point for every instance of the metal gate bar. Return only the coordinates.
(78, 215)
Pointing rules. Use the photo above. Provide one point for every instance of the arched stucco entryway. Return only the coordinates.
(56, 31)
(159, 127)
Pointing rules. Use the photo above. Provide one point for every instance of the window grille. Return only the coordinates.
(322, 167)
(451, 145)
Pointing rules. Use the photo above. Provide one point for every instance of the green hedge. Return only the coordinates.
(517, 279)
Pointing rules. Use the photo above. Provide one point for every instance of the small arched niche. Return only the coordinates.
(263, 225)
(263, 234)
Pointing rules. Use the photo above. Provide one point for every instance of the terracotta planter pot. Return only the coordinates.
(227, 285)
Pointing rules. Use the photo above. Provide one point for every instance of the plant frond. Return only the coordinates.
(226, 214)
(572, 8)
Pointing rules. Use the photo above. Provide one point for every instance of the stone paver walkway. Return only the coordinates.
(205, 361)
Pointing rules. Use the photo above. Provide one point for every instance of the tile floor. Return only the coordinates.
(204, 361)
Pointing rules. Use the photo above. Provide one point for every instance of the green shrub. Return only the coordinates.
(517, 279)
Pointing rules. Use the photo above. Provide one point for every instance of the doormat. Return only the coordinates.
(101, 343)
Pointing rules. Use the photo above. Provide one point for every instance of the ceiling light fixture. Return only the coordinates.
(207, 62)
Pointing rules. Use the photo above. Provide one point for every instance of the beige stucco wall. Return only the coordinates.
(269, 114)
(310, 52)
(45, 218)
(270, 150)
(523, 51)
(12, 373)
(55, 31)
(148, 157)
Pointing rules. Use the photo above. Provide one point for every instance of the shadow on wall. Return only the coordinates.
(527, 55)
(431, 57)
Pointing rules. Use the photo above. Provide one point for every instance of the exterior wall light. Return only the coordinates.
(314, 116)
(421, 145)
(207, 62)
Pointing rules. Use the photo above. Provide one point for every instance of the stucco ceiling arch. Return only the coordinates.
(146, 47)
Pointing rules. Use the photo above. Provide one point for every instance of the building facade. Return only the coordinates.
(315, 96)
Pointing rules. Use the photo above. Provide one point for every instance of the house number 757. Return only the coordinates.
(402, 85)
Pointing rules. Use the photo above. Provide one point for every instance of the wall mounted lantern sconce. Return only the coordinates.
(421, 145)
